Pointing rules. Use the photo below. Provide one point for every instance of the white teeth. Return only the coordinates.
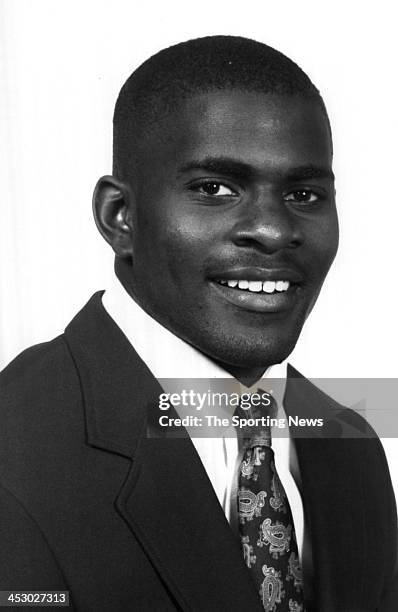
(255, 286)
(269, 286)
(282, 285)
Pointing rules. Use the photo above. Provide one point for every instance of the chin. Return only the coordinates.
(252, 350)
(263, 356)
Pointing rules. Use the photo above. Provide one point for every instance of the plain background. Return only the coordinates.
(62, 65)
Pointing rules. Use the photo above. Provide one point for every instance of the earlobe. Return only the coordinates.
(111, 208)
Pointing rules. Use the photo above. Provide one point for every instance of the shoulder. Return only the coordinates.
(32, 360)
(37, 375)
(40, 406)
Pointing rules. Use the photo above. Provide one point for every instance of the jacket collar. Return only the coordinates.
(118, 388)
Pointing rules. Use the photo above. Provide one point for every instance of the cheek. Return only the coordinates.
(322, 243)
(331, 241)
(188, 230)
(176, 243)
(185, 249)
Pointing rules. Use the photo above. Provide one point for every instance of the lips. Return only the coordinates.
(258, 289)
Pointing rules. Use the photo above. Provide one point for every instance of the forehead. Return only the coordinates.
(262, 130)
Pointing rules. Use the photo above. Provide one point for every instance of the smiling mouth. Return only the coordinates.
(256, 286)
(262, 296)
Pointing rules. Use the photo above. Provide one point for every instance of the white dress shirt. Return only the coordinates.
(175, 358)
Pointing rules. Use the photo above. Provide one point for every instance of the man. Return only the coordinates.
(221, 213)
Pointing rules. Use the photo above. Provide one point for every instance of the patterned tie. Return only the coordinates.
(266, 524)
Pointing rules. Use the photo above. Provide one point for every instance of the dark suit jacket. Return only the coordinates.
(124, 521)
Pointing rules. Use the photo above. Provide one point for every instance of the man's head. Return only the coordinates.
(222, 173)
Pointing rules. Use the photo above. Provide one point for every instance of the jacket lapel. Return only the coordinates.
(170, 505)
(167, 500)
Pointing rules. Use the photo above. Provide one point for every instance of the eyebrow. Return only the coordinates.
(241, 170)
(221, 165)
(309, 172)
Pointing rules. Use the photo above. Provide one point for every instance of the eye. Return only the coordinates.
(302, 196)
(214, 188)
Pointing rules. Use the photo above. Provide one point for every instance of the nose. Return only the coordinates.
(268, 225)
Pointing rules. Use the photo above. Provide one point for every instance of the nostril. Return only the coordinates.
(267, 246)
(268, 239)
(245, 242)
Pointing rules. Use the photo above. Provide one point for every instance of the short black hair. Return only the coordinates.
(199, 66)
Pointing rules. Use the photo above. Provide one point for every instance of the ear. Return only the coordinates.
(112, 200)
